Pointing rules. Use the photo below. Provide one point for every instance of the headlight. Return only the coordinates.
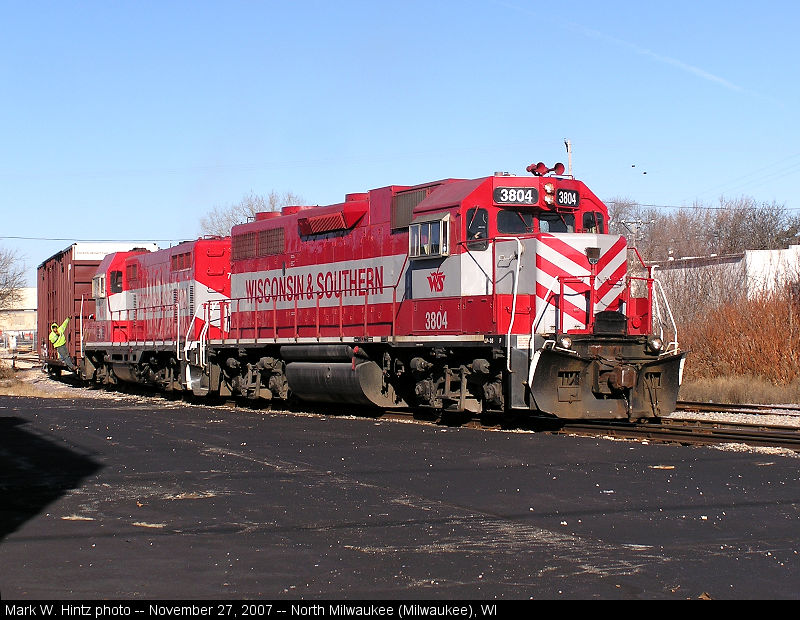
(565, 342)
(655, 344)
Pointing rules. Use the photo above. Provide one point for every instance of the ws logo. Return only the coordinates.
(436, 281)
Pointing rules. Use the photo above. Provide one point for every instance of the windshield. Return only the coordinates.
(556, 222)
(514, 222)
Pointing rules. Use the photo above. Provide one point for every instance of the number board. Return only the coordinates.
(516, 195)
(567, 198)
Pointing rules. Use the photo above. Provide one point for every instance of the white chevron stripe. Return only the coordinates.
(552, 283)
(613, 265)
(546, 278)
(561, 261)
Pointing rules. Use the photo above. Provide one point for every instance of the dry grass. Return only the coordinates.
(745, 389)
(24, 389)
(751, 342)
(12, 385)
(6, 374)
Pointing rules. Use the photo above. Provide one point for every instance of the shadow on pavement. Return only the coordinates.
(34, 471)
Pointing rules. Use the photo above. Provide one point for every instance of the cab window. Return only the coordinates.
(115, 282)
(593, 222)
(514, 222)
(429, 239)
(477, 229)
(99, 286)
(556, 222)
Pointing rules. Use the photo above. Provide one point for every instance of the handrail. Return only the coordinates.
(177, 330)
(657, 309)
(520, 250)
(642, 262)
(156, 324)
(294, 324)
(202, 342)
(544, 307)
(151, 322)
(672, 343)
(81, 328)
(186, 346)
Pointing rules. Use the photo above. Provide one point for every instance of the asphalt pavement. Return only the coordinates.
(152, 499)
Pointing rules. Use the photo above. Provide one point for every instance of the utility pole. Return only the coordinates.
(634, 227)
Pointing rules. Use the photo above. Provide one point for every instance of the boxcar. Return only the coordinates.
(64, 289)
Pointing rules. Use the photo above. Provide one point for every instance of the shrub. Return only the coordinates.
(750, 338)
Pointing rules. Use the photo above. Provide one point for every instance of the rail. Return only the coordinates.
(295, 315)
(737, 408)
(673, 343)
(80, 331)
(702, 432)
(244, 319)
(518, 259)
(310, 314)
(657, 302)
(569, 286)
(650, 312)
(158, 325)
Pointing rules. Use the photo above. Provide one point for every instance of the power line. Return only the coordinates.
(92, 240)
(694, 207)
(760, 176)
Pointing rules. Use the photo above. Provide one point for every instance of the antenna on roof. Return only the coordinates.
(568, 144)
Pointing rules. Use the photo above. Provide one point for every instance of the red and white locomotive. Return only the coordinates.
(502, 293)
(149, 312)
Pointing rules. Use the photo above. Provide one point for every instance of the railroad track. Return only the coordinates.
(687, 405)
(760, 426)
(26, 358)
(669, 430)
(666, 430)
(692, 432)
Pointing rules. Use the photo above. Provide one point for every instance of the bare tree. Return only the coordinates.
(221, 219)
(735, 225)
(694, 291)
(12, 278)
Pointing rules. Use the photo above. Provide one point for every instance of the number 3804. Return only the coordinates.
(436, 320)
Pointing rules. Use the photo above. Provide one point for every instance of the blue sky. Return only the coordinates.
(131, 120)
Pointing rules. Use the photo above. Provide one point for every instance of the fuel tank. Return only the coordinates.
(358, 383)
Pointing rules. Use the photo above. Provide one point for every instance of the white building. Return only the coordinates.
(753, 272)
(18, 324)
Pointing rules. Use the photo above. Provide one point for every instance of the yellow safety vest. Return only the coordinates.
(59, 339)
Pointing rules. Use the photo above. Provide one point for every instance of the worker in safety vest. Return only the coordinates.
(59, 341)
